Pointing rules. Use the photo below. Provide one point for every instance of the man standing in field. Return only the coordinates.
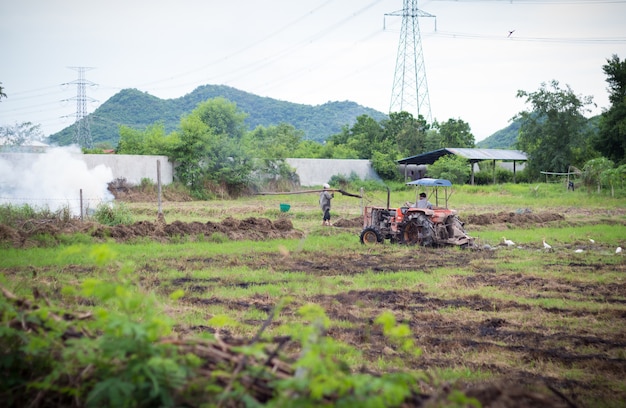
(325, 197)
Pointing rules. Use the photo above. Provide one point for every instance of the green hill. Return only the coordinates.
(503, 139)
(137, 109)
(506, 138)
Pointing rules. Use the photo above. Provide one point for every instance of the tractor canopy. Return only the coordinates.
(439, 188)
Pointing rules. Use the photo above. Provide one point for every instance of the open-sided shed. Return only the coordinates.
(473, 155)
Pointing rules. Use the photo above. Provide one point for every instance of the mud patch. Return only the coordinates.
(518, 218)
(254, 229)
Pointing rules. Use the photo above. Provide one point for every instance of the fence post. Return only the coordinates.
(81, 204)
(159, 184)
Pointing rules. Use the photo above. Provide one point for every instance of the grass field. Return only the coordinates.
(508, 315)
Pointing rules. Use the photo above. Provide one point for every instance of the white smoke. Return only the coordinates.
(53, 180)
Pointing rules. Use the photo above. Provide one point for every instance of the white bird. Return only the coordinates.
(618, 250)
(579, 251)
(508, 242)
(546, 246)
(592, 241)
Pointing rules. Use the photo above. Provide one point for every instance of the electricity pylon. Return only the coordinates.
(410, 89)
(82, 130)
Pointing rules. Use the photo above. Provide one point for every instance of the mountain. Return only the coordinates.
(503, 139)
(506, 138)
(138, 110)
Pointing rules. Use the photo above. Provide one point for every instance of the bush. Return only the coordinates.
(485, 177)
(453, 168)
(113, 214)
(14, 215)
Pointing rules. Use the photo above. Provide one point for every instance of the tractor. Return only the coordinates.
(408, 225)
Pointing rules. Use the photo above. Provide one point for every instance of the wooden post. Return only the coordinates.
(362, 207)
(81, 204)
(494, 172)
(159, 185)
(514, 172)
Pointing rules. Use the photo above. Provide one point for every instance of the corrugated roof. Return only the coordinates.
(430, 182)
(470, 154)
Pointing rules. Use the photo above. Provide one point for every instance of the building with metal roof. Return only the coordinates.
(472, 155)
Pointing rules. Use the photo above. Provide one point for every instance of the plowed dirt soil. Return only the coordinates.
(447, 339)
(24, 235)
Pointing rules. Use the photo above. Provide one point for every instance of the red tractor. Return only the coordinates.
(422, 226)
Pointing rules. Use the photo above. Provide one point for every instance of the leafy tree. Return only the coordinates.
(273, 142)
(385, 165)
(271, 146)
(410, 134)
(152, 140)
(554, 132)
(614, 177)
(455, 133)
(308, 148)
(451, 167)
(222, 117)
(593, 170)
(20, 133)
(208, 148)
(611, 140)
(364, 137)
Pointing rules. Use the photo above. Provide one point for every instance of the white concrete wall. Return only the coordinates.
(315, 172)
(133, 167)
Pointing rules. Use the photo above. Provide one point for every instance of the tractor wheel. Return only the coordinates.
(370, 235)
(418, 231)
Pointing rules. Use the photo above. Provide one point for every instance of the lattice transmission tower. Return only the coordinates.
(82, 129)
(410, 88)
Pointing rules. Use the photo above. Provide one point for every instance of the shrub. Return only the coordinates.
(113, 214)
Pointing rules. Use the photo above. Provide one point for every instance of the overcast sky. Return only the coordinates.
(303, 51)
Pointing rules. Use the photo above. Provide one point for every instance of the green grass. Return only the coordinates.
(547, 292)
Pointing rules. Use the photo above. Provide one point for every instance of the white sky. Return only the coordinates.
(303, 51)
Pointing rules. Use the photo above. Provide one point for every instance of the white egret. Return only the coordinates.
(508, 242)
(618, 250)
(546, 246)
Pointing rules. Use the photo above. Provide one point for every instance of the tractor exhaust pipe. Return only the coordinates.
(388, 197)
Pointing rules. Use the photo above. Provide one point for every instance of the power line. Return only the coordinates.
(580, 40)
(535, 2)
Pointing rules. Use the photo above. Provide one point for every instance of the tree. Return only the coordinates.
(2, 94)
(451, 167)
(20, 134)
(271, 146)
(152, 140)
(364, 137)
(456, 133)
(409, 135)
(614, 177)
(554, 132)
(208, 147)
(611, 140)
(222, 117)
(593, 170)
(273, 142)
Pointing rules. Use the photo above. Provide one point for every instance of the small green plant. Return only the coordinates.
(17, 215)
(113, 214)
(321, 374)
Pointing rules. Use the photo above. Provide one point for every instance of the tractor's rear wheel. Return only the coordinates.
(370, 235)
(418, 231)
